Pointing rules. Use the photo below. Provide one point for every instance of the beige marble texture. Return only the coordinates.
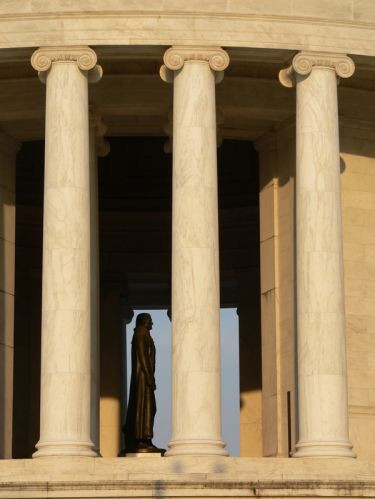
(196, 418)
(271, 373)
(285, 294)
(338, 25)
(8, 151)
(187, 477)
(322, 376)
(288, 24)
(276, 209)
(66, 295)
(358, 196)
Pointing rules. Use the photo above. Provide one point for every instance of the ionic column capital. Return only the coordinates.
(176, 56)
(304, 62)
(85, 58)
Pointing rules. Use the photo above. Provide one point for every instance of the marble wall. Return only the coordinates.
(358, 205)
(291, 24)
(277, 170)
(8, 150)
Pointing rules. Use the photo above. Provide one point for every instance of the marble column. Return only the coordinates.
(98, 146)
(8, 151)
(322, 378)
(196, 411)
(66, 298)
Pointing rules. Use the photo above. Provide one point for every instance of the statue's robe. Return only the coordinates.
(142, 405)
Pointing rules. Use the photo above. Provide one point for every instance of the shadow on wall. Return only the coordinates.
(110, 366)
(285, 175)
(6, 305)
(28, 295)
(3, 323)
(342, 165)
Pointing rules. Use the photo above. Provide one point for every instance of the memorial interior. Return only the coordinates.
(256, 138)
(135, 255)
(253, 111)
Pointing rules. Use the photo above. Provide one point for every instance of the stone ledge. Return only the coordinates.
(169, 27)
(186, 477)
(158, 488)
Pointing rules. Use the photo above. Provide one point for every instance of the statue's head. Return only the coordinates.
(144, 320)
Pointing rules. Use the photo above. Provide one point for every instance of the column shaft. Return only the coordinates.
(8, 150)
(322, 383)
(95, 303)
(66, 296)
(196, 390)
(98, 146)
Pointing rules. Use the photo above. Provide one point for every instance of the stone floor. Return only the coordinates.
(186, 477)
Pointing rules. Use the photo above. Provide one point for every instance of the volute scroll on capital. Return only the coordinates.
(176, 56)
(304, 62)
(85, 58)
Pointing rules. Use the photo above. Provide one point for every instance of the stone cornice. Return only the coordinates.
(85, 58)
(223, 23)
(9, 145)
(304, 62)
(176, 56)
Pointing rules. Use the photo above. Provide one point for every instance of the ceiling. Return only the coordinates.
(134, 101)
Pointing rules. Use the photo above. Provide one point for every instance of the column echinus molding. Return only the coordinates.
(322, 371)
(66, 299)
(98, 146)
(196, 418)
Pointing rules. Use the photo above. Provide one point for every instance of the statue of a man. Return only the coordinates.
(141, 411)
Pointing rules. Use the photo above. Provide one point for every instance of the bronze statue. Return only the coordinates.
(138, 429)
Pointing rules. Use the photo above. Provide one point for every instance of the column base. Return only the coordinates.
(196, 447)
(324, 449)
(47, 449)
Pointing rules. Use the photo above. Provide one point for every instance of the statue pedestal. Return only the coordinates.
(144, 454)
